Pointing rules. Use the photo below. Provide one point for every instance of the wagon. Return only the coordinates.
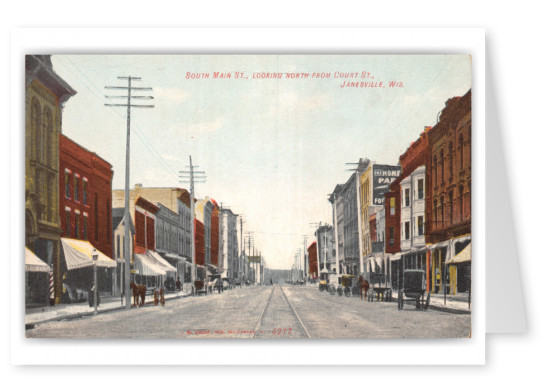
(414, 289)
(348, 285)
(328, 282)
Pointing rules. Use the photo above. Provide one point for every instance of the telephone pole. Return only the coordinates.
(191, 177)
(128, 105)
(306, 268)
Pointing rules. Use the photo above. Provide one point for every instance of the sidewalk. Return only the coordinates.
(458, 303)
(76, 310)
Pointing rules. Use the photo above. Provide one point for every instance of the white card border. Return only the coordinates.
(245, 40)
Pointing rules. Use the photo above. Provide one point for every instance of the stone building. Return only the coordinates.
(45, 95)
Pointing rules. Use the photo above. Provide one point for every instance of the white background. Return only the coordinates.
(518, 56)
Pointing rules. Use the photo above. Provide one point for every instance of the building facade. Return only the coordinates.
(45, 95)
(325, 240)
(229, 255)
(448, 208)
(85, 208)
(313, 266)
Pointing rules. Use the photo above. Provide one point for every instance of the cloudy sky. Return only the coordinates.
(272, 149)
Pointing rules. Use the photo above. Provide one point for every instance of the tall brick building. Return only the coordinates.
(448, 205)
(85, 205)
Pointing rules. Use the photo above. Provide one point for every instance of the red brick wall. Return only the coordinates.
(99, 174)
(313, 258)
(199, 243)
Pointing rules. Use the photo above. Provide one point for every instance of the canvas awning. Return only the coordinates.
(78, 254)
(463, 256)
(163, 263)
(35, 264)
(147, 266)
(395, 257)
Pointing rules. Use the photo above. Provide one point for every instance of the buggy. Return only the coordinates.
(414, 289)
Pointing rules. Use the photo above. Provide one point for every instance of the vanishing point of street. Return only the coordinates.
(269, 311)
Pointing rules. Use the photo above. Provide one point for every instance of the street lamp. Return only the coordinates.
(95, 287)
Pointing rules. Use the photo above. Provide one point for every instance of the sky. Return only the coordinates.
(272, 148)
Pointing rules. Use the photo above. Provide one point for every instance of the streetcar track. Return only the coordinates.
(295, 312)
(262, 314)
(292, 311)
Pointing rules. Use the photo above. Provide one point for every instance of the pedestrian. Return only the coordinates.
(178, 284)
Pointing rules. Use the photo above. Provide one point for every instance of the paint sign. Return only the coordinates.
(383, 176)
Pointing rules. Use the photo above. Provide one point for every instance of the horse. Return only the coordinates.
(159, 295)
(364, 287)
(138, 291)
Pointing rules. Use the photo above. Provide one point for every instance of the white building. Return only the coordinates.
(412, 219)
(229, 254)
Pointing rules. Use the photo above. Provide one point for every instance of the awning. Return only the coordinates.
(178, 258)
(78, 254)
(463, 256)
(147, 266)
(35, 264)
(395, 257)
(161, 261)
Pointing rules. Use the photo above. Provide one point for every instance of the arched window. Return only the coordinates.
(442, 211)
(450, 157)
(442, 166)
(435, 213)
(435, 173)
(48, 138)
(461, 152)
(450, 200)
(36, 130)
(460, 203)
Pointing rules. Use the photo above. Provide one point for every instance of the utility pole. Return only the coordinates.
(128, 105)
(306, 263)
(191, 177)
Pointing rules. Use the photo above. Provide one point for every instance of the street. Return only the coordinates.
(278, 311)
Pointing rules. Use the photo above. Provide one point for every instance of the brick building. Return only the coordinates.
(313, 261)
(448, 203)
(85, 207)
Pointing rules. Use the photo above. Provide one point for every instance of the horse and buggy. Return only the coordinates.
(414, 289)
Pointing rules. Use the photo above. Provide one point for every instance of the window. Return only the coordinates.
(450, 197)
(77, 218)
(420, 225)
(67, 187)
(96, 216)
(392, 206)
(85, 192)
(76, 188)
(450, 156)
(67, 223)
(435, 164)
(406, 197)
(85, 227)
(461, 152)
(460, 203)
(435, 213)
(118, 246)
(420, 189)
(406, 230)
(442, 166)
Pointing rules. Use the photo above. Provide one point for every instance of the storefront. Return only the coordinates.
(78, 270)
(455, 276)
(37, 280)
(152, 270)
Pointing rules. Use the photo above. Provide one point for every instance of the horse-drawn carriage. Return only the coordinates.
(414, 289)
(349, 285)
(328, 282)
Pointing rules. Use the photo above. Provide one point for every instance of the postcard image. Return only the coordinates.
(248, 196)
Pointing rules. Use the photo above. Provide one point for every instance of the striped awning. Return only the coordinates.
(35, 264)
(463, 256)
(147, 266)
(161, 261)
(78, 254)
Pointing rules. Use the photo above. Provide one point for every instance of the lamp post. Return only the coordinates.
(95, 288)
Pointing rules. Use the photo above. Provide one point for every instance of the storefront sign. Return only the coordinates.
(383, 176)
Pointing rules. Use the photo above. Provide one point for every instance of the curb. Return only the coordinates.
(441, 308)
(31, 325)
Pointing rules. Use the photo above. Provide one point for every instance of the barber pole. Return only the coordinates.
(52, 298)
